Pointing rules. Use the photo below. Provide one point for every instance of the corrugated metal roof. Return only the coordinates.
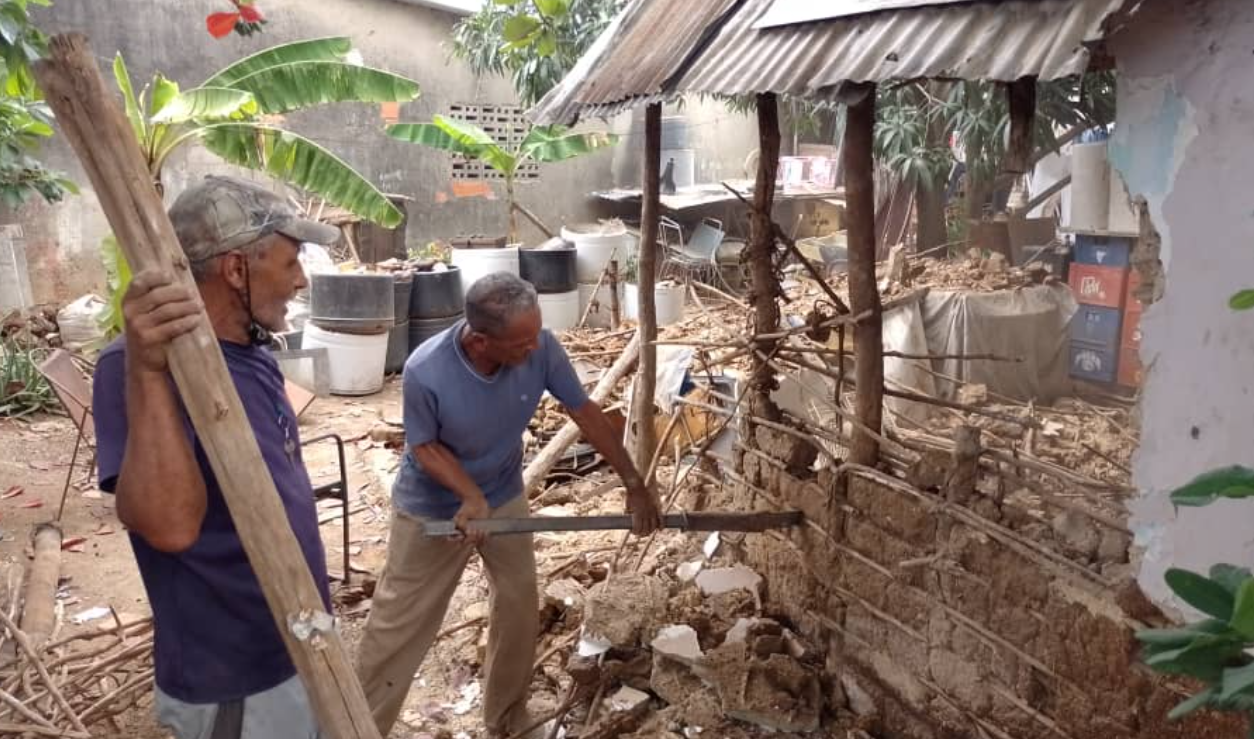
(658, 49)
(787, 12)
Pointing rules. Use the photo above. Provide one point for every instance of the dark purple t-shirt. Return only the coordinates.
(215, 638)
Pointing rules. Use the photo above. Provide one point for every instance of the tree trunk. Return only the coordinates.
(765, 289)
(863, 294)
(1021, 99)
(651, 195)
(930, 196)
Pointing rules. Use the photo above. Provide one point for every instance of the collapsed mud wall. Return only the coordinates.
(939, 621)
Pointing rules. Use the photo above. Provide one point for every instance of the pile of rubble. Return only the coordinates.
(33, 328)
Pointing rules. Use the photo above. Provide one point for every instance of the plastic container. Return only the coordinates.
(1131, 372)
(477, 263)
(1104, 286)
(352, 303)
(1093, 362)
(596, 245)
(421, 329)
(356, 360)
(1090, 187)
(668, 302)
(1130, 336)
(549, 270)
(1102, 251)
(402, 289)
(437, 294)
(398, 348)
(600, 314)
(1096, 325)
(560, 311)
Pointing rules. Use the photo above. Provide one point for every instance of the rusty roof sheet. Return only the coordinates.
(660, 49)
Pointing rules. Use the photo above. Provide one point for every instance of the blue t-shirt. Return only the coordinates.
(215, 639)
(480, 419)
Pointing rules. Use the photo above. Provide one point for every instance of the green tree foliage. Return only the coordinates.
(534, 42)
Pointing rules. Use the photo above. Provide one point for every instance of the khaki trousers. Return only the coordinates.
(410, 601)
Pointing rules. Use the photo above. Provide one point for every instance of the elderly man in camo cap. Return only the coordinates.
(222, 670)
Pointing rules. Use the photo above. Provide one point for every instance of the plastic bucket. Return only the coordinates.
(437, 294)
(549, 270)
(559, 311)
(668, 302)
(356, 360)
(352, 303)
(595, 245)
(421, 329)
(477, 263)
(398, 348)
(402, 289)
(599, 315)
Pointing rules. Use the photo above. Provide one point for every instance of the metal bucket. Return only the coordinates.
(437, 294)
(352, 303)
(549, 270)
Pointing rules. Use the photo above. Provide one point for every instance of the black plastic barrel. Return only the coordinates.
(402, 289)
(398, 348)
(437, 295)
(549, 270)
(352, 303)
(421, 329)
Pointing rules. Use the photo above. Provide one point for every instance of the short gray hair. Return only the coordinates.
(497, 299)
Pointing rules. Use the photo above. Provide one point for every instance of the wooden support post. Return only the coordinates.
(40, 610)
(960, 485)
(616, 314)
(868, 341)
(646, 275)
(1021, 97)
(765, 290)
(93, 123)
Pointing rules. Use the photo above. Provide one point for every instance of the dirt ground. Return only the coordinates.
(444, 701)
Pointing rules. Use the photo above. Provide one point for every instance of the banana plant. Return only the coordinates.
(235, 114)
(543, 144)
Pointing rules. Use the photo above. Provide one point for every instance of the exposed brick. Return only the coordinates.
(960, 679)
(878, 545)
(894, 512)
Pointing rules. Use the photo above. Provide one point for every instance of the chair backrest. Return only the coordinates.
(70, 385)
(705, 241)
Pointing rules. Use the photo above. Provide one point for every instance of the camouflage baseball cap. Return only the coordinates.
(225, 213)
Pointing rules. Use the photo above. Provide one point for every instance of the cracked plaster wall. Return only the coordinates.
(1184, 144)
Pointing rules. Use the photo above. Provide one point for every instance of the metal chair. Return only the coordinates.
(336, 489)
(698, 257)
(73, 389)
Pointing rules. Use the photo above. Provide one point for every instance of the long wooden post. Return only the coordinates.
(94, 124)
(765, 284)
(1021, 100)
(864, 296)
(646, 437)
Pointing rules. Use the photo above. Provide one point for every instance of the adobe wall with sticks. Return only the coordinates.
(942, 618)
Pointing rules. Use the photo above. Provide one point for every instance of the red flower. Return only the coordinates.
(221, 24)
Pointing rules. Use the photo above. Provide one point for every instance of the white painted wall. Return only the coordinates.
(1185, 141)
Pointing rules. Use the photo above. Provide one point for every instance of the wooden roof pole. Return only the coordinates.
(101, 136)
(765, 288)
(646, 275)
(864, 295)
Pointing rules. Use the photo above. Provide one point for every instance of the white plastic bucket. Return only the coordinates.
(668, 302)
(476, 263)
(560, 311)
(599, 316)
(356, 361)
(595, 246)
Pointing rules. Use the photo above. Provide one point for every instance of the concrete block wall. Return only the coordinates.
(939, 622)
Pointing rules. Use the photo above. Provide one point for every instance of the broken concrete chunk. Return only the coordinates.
(679, 642)
(739, 632)
(726, 579)
(623, 611)
(710, 548)
(1114, 547)
(687, 571)
(565, 594)
(476, 611)
(860, 701)
(628, 699)
(973, 394)
(776, 693)
(676, 684)
(1078, 533)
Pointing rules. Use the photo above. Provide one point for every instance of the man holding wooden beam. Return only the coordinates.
(469, 394)
(222, 670)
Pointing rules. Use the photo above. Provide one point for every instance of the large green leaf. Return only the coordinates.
(1230, 576)
(553, 143)
(286, 87)
(1243, 610)
(1243, 300)
(301, 162)
(133, 111)
(334, 48)
(519, 28)
(162, 92)
(1237, 680)
(205, 104)
(1178, 638)
(1205, 658)
(1229, 482)
(1202, 593)
(429, 134)
(459, 137)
